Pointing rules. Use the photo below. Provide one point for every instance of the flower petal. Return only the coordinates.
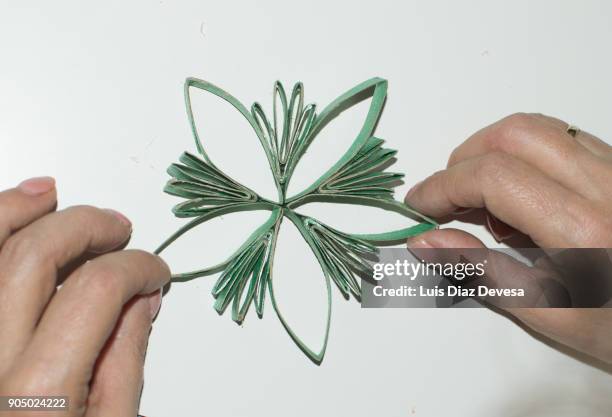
(250, 265)
(286, 135)
(363, 214)
(227, 129)
(211, 214)
(298, 301)
(206, 187)
(376, 88)
(342, 256)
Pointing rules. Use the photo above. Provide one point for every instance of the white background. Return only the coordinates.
(92, 94)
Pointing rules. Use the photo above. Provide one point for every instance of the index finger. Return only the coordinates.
(512, 191)
(542, 143)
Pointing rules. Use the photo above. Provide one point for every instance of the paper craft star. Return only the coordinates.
(359, 177)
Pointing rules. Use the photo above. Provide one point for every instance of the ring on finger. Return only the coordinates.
(572, 130)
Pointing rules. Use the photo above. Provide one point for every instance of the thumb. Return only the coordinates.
(541, 286)
(118, 376)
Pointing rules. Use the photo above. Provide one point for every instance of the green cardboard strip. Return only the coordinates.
(359, 177)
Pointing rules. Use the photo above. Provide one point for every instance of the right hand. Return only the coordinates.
(539, 181)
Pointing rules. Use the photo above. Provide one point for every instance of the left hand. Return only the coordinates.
(87, 338)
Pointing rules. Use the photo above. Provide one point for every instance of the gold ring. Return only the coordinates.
(572, 130)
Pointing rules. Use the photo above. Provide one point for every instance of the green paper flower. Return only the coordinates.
(359, 177)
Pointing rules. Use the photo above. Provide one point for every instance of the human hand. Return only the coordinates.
(86, 339)
(533, 178)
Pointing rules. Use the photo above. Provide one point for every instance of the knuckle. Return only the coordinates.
(83, 212)
(103, 278)
(510, 129)
(454, 157)
(146, 258)
(544, 118)
(494, 166)
(437, 176)
(24, 245)
(519, 121)
(83, 216)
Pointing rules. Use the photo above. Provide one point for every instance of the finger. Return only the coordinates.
(514, 192)
(541, 286)
(20, 206)
(595, 145)
(558, 324)
(82, 315)
(500, 230)
(553, 121)
(31, 257)
(541, 143)
(445, 238)
(589, 141)
(118, 376)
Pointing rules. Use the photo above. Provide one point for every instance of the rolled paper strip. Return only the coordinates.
(358, 177)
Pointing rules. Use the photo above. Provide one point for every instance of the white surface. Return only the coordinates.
(92, 94)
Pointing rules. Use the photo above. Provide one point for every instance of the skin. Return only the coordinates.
(87, 339)
(531, 178)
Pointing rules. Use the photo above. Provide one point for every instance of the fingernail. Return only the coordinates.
(37, 186)
(413, 189)
(418, 242)
(500, 230)
(121, 217)
(155, 303)
(419, 248)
